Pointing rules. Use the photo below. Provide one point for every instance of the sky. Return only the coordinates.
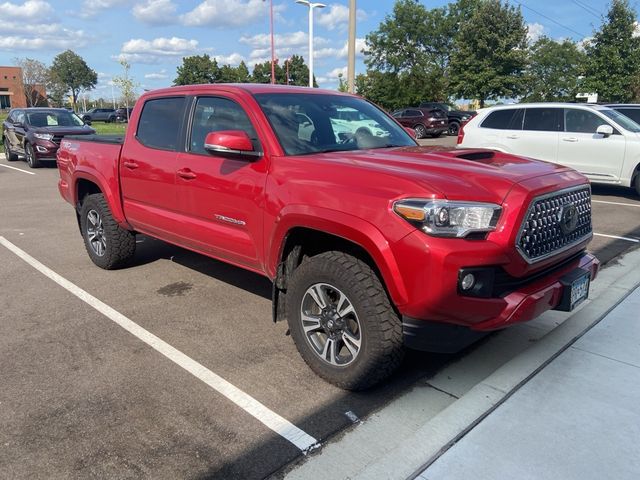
(154, 35)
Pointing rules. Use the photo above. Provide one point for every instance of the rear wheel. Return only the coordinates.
(421, 132)
(342, 321)
(8, 154)
(109, 246)
(32, 160)
(636, 183)
(453, 128)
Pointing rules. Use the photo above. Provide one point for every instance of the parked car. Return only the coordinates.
(35, 133)
(372, 242)
(598, 141)
(123, 114)
(631, 110)
(99, 115)
(456, 117)
(424, 121)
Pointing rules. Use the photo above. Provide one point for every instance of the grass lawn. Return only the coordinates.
(101, 128)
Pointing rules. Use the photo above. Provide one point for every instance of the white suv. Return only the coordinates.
(596, 140)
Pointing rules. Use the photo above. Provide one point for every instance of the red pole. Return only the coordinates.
(273, 51)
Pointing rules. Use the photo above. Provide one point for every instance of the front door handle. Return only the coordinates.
(186, 173)
(569, 139)
(130, 165)
(513, 137)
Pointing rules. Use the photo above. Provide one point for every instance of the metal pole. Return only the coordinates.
(351, 65)
(311, 45)
(273, 51)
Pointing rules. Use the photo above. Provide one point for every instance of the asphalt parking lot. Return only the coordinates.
(172, 368)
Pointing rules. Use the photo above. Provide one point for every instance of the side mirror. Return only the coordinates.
(605, 130)
(231, 143)
(411, 132)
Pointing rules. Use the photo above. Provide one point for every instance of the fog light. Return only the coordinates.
(467, 281)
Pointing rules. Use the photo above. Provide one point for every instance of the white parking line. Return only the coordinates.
(18, 169)
(634, 240)
(617, 203)
(272, 420)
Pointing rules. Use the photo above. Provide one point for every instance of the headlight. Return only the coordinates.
(43, 136)
(443, 218)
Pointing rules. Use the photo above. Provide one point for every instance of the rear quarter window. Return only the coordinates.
(508, 119)
(160, 123)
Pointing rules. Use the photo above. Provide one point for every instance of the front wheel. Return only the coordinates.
(109, 246)
(32, 160)
(8, 154)
(637, 183)
(454, 127)
(342, 321)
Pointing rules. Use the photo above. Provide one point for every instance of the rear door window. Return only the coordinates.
(160, 123)
(543, 119)
(507, 119)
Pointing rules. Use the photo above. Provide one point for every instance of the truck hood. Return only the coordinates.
(60, 131)
(469, 174)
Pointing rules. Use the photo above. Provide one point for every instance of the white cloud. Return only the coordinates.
(91, 8)
(15, 36)
(337, 16)
(155, 12)
(343, 52)
(161, 75)
(227, 13)
(534, 32)
(29, 10)
(138, 50)
(234, 59)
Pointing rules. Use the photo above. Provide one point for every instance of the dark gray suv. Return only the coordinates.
(99, 115)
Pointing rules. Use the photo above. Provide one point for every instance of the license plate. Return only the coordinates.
(575, 289)
(579, 291)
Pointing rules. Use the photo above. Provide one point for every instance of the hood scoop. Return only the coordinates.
(478, 156)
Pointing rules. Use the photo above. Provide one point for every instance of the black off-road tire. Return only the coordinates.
(8, 154)
(381, 349)
(454, 127)
(119, 244)
(420, 130)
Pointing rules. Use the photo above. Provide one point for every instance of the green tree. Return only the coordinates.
(262, 72)
(490, 53)
(298, 72)
(70, 71)
(127, 86)
(613, 56)
(553, 71)
(197, 69)
(35, 76)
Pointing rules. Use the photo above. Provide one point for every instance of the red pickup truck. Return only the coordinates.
(372, 242)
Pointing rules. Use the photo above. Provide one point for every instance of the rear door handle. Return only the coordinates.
(186, 173)
(130, 165)
(569, 139)
(513, 137)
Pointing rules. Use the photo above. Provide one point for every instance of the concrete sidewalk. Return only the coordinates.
(578, 418)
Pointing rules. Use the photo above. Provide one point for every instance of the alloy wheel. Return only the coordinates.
(330, 324)
(95, 233)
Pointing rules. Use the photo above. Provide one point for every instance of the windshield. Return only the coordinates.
(622, 120)
(54, 119)
(310, 123)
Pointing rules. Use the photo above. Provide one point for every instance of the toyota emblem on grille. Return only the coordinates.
(568, 218)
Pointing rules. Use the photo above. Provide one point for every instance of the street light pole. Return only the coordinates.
(311, 7)
(351, 64)
(273, 50)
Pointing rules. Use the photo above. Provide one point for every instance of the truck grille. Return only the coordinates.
(555, 222)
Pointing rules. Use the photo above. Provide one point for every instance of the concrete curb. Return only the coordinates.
(415, 452)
